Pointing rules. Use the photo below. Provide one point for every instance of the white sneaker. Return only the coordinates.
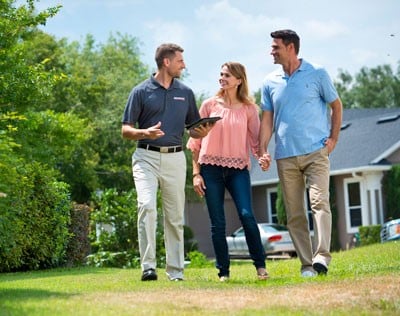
(223, 278)
(308, 274)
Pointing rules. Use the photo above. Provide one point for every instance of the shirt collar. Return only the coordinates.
(156, 85)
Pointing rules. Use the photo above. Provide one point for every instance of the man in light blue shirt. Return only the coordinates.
(295, 107)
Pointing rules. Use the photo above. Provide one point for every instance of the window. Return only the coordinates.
(272, 196)
(353, 203)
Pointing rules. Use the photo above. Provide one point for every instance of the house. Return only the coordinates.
(369, 145)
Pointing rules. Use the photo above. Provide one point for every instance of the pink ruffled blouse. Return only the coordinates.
(229, 142)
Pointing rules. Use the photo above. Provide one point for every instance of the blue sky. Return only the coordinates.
(340, 34)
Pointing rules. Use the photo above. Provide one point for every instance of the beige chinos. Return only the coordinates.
(167, 171)
(295, 173)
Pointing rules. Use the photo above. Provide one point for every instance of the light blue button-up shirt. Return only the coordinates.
(300, 106)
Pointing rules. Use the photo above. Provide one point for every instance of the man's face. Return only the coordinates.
(175, 65)
(279, 51)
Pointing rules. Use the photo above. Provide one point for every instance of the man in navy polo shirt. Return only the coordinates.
(155, 115)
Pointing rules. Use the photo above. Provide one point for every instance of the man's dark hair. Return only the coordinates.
(288, 37)
(166, 50)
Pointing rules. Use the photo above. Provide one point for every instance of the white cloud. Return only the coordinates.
(164, 31)
(223, 22)
(325, 29)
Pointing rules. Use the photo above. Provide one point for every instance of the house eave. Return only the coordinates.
(387, 153)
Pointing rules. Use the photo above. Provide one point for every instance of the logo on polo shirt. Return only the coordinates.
(179, 98)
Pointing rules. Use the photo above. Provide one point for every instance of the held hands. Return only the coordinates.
(264, 161)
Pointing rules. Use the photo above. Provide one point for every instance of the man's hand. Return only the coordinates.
(153, 132)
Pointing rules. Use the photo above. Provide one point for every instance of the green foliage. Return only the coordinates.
(108, 259)
(21, 83)
(114, 221)
(198, 260)
(114, 230)
(369, 234)
(370, 88)
(34, 218)
(98, 80)
(391, 191)
(63, 142)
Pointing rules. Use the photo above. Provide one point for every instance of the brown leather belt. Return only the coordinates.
(162, 149)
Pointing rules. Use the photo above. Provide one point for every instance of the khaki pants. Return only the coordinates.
(167, 171)
(295, 173)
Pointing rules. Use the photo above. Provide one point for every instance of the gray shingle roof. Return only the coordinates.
(367, 138)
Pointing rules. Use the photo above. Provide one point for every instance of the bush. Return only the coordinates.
(369, 234)
(34, 218)
(113, 230)
(113, 235)
(198, 260)
(103, 259)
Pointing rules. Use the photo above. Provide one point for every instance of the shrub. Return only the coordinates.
(198, 260)
(113, 230)
(113, 234)
(109, 259)
(369, 234)
(34, 220)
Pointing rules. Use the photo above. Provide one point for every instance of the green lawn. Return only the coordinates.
(361, 281)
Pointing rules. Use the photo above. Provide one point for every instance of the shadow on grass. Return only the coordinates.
(39, 274)
(11, 299)
(26, 294)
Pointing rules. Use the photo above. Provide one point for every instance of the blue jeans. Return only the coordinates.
(237, 182)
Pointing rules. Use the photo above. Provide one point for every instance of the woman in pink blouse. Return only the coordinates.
(221, 160)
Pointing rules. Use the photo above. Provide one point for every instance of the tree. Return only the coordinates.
(34, 206)
(370, 88)
(21, 84)
(99, 80)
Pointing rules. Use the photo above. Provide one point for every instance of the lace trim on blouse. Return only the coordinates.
(230, 162)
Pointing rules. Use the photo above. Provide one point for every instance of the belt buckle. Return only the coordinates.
(164, 150)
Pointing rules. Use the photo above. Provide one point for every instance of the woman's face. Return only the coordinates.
(227, 80)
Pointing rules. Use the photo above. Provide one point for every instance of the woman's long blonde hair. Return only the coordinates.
(238, 71)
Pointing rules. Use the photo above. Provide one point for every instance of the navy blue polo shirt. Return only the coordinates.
(150, 103)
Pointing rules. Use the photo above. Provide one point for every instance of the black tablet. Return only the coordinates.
(203, 121)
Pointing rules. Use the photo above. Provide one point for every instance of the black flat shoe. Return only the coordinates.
(149, 275)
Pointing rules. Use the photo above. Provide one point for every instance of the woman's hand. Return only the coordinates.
(198, 185)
